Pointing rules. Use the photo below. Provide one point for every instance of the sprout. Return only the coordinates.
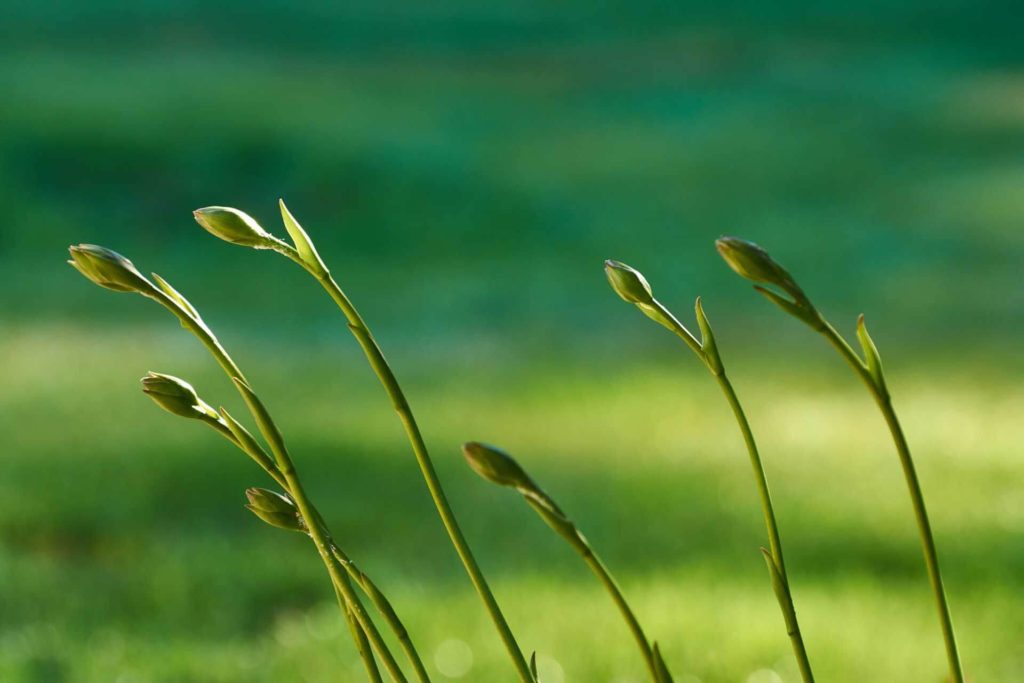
(628, 283)
(237, 227)
(177, 396)
(108, 269)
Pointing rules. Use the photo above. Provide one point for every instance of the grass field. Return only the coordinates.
(465, 168)
(133, 559)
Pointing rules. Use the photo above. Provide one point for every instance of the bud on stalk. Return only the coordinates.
(237, 227)
(108, 269)
(628, 283)
(177, 396)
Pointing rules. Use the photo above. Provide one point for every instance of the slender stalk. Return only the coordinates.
(386, 610)
(931, 557)
(498, 467)
(602, 573)
(387, 378)
(293, 486)
(774, 540)
(713, 362)
(755, 264)
(362, 644)
(369, 588)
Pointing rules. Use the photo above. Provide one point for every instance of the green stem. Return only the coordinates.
(602, 573)
(286, 469)
(931, 558)
(387, 378)
(362, 644)
(761, 479)
(774, 540)
(386, 610)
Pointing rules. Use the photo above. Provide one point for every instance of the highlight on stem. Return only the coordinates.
(755, 264)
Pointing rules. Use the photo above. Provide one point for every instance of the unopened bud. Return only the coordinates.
(628, 283)
(269, 501)
(108, 269)
(237, 227)
(497, 466)
(274, 509)
(752, 262)
(177, 396)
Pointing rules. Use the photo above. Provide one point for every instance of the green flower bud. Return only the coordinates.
(754, 263)
(270, 501)
(275, 509)
(237, 227)
(290, 521)
(628, 283)
(177, 396)
(108, 269)
(495, 465)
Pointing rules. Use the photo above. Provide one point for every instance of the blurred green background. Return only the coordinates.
(465, 167)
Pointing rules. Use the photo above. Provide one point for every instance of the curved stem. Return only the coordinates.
(761, 480)
(387, 611)
(774, 540)
(602, 573)
(362, 644)
(387, 378)
(931, 557)
(352, 605)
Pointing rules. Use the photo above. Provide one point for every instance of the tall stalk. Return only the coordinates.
(497, 466)
(753, 263)
(113, 271)
(629, 284)
(237, 227)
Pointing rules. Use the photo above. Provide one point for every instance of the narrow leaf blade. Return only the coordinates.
(781, 589)
(176, 296)
(871, 357)
(301, 240)
(707, 340)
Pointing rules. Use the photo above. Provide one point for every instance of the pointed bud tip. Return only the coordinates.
(628, 283)
(176, 396)
(107, 268)
(495, 465)
(234, 226)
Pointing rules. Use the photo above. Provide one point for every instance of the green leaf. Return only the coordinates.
(794, 309)
(556, 519)
(707, 341)
(176, 296)
(247, 442)
(302, 242)
(533, 666)
(781, 589)
(262, 416)
(660, 668)
(871, 357)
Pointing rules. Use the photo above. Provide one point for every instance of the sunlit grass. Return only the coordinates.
(135, 561)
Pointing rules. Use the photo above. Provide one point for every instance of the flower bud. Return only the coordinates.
(628, 283)
(754, 263)
(290, 521)
(237, 227)
(177, 396)
(270, 501)
(108, 269)
(495, 465)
